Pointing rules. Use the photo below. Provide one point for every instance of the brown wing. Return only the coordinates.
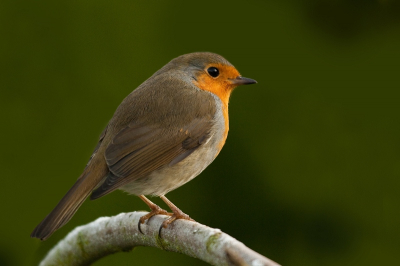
(138, 149)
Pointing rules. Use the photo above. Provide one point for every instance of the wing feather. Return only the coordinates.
(138, 150)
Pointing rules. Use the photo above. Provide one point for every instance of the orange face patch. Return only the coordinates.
(222, 87)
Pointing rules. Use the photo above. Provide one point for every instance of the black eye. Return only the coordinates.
(213, 71)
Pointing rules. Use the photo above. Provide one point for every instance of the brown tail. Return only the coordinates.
(67, 207)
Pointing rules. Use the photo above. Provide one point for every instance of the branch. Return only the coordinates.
(108, 235)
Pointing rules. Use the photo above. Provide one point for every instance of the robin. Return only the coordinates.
(162, 135)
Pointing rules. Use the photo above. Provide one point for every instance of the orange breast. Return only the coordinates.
(222, 88)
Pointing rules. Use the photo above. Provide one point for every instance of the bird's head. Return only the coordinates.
(210, 72)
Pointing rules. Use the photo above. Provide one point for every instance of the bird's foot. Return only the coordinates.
(155, 210)
(177, 214)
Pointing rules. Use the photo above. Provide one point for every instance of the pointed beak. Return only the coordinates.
(242, 81)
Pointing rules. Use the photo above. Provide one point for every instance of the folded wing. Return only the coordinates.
(139, 149)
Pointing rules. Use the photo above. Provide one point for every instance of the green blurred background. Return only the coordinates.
(310, 172)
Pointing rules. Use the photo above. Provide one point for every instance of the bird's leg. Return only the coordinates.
(177, 213)
(155, 209)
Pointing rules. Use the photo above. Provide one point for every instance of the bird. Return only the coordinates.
(162, 135)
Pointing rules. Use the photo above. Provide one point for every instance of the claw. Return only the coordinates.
(177, 214)
(154, 211)
(159, 231)
(138, 226)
